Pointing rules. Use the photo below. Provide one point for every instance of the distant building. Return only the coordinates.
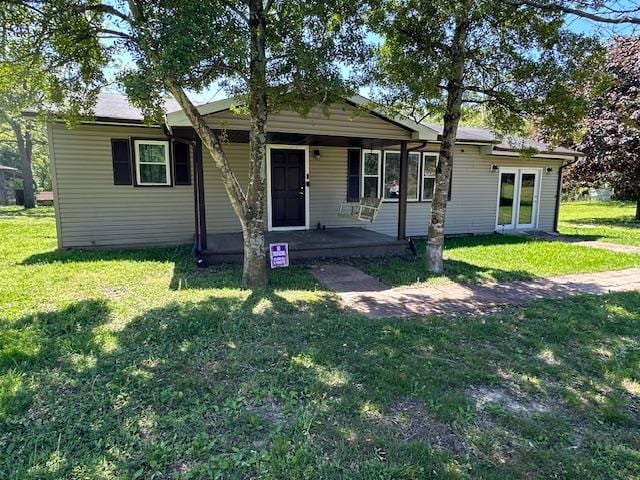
(8, 185)
(44, 198)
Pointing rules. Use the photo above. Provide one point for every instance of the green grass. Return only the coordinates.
(605, 221)
(499, 258)
(135, 364)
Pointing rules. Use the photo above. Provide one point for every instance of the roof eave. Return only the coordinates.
(565, 153)
(179, 119)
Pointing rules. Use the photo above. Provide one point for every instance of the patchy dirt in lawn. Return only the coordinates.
(270, 410)
(485, 395)
(412, 421)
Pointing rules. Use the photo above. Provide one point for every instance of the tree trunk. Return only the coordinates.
(250, 213)
(248, 208)
(254, 270)
(25, 149)
(435, 239)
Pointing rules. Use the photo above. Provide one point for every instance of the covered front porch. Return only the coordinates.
(308, 244)
(304, 202)
(313, 166)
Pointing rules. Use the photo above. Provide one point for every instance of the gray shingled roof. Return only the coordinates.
(116, 106)
(477, 134)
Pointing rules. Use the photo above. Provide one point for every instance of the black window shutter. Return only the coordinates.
(121, 156)
(181, 164)
(353, 175)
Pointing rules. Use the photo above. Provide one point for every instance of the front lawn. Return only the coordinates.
(135, 364)
(502, 258)
(606, 221)
(499, 258)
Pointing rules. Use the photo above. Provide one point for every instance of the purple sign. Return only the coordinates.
(279, 254)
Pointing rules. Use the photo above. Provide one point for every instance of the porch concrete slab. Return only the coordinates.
(364, 294)
(309, 244)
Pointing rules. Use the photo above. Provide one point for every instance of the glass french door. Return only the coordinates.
(517, 198)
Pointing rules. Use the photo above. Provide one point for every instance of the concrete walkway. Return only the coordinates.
(364, 294)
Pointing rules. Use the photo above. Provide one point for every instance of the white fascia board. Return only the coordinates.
(179, 119)
(550, 156)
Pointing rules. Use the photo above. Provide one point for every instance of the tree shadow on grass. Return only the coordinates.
(250, 384)
(396, 271)
(410, 270)
(147, 254)
(186, 275)
(17, 211)
(536, 389)
(628, 221)
(30, 343)
(86, 392)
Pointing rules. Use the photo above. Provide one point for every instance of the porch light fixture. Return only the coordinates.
(549, 169)
(316, 154)
(494, 168)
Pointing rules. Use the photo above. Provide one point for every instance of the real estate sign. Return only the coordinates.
(279, 255)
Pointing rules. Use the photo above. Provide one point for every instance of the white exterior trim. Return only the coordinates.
(167, 160)
(363, 152)
(54, 183)
(270, 226)
(418, 178)
(542, 156)
(422, 176)
(515, 212)
(115, 123)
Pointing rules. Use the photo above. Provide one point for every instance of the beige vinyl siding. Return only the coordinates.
(342, 120)
(92, 211)
(472, 208)
(219, 214)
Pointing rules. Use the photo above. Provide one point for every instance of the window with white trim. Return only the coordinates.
(152, 162)
(371, 173)
(429, 164)
(391, 175)
(413, 163)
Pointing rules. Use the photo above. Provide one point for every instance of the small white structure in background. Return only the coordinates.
(600, 194)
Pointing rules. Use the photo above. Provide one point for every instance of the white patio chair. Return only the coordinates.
(365, 210)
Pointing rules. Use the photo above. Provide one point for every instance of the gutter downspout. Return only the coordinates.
(403, 228)
(195, 158)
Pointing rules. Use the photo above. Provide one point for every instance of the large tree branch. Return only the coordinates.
(135, 9)
(102, 8)
(115, 34)
(240, 13)
(267, 6)
(560, 7)
(212, 144)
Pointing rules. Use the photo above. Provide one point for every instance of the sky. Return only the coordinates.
(574, 23)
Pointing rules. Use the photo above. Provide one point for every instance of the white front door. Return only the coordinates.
(518, 195)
